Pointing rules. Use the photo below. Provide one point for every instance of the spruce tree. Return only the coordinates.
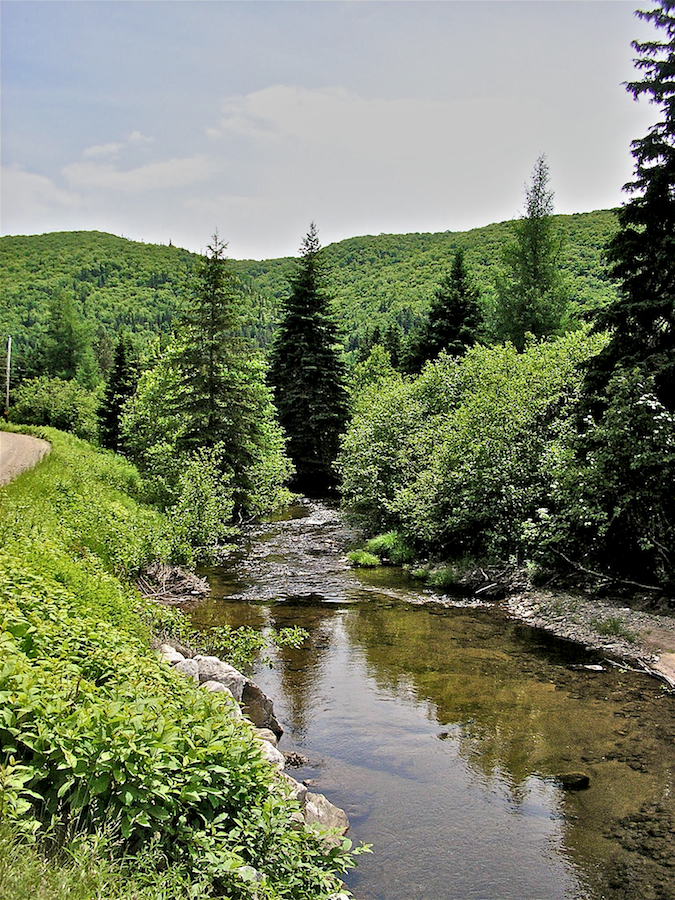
(531, 294)
(453, 320)
(307, 374)
(220, 392)
(119, 388)
(641, 320)
(622, 507)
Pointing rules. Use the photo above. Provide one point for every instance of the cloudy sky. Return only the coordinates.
(163, 120)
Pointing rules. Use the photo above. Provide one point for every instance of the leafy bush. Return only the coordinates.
(611, 504)
(392, 547)
(65, 405)
(458, 459)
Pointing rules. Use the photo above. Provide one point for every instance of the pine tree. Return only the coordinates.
(119, 388)
(641, 320)
(531, 294)
(307, 374)
(453, 320)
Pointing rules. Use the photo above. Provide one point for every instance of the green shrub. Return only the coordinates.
(391, 547)
(457, 460)
(65, 405)
(363, 559)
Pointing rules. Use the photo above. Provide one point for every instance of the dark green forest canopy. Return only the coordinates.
(374, 280)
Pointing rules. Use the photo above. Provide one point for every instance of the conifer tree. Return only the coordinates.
(641, 320)
(220, 392)
(453, 320)
(531, 294)
(307, 374)
(66, 347)
(119, 388)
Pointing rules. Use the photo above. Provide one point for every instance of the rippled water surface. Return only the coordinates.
(441, 728)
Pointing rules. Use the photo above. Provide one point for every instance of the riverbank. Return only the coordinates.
(640, 639)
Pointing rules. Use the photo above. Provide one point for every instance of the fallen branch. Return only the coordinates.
(608, 578)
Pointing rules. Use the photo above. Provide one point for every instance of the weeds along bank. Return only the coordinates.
(148, 787)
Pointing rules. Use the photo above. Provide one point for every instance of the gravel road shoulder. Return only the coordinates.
(19, 452)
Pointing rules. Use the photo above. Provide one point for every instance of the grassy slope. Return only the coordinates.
(106, 736)
(374, 279)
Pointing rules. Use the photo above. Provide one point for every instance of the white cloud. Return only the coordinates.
(102, 150)
(27, 197)
(137, 138)
(162, 175)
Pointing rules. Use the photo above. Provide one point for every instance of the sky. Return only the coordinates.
(164, 120)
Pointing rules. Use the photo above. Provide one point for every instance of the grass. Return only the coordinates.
(614, 626)
(363, 559)
(391, 547)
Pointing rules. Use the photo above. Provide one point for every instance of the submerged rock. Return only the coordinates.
(572, 781)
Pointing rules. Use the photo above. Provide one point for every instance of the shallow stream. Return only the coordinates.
(442, 727)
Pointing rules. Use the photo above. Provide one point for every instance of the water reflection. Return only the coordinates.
(440, 730)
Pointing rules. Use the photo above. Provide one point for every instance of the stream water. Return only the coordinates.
(441, 727)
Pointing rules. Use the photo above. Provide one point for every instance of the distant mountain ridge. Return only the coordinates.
(374, 280)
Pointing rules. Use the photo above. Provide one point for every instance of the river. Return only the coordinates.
(442, 727)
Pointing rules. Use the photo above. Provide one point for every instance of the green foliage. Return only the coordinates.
(383, 281)
(66, 347)
(205, 503)
(362, 559)
(117, 284)
(453, 320)
(99, 735)
(641, 319)
(457, 459)
(612, 505)
(65, 405)
(307, 374)
(391, 547)
(202, 403)
(531, 294)
(119, 388)
(617, 509)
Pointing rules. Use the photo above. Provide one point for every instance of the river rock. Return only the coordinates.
(572, 781)
(259, 708)
(266, 735)
(189, 668)
(272, 755)
(210, 668)
(320, 811)
(170, 654)
(299, 790)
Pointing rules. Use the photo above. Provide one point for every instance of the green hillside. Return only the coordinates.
(375, 280)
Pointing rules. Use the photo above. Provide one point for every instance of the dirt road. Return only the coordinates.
(19, 452)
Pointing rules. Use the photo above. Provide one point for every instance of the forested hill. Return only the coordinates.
(374, 280)
(377, 280)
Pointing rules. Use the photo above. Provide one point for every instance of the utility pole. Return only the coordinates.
(9, 358)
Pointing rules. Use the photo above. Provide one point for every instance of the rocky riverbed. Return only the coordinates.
(641, 639)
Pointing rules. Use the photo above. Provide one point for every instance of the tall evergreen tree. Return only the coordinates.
(641, 320)
(622, 507)
(66, 348)
(119, 388)
(307, 373)
(531, 294)
(453, 320)
(220, 392)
